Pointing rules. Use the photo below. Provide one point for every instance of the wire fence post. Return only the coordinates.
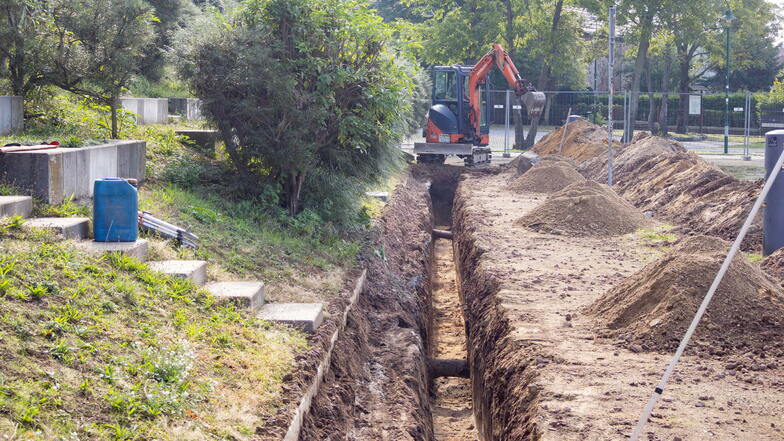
(747, 128)
(611, 88)
(506, 126)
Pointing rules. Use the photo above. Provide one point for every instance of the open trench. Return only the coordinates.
(399, 370)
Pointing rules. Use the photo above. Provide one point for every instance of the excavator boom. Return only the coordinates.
(458, 123)
(534, 101)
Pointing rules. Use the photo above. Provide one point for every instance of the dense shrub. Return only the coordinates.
(310, 96)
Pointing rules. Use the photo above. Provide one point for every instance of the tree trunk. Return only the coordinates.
(113, 107)
(665, 87)
(545, 72)
(683, 89)
(651, 99)
(517, 114)
(639, 65)
(294, 192)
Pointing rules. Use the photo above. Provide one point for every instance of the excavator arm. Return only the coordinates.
(534, 101)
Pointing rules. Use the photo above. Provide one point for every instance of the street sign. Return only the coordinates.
(695, 105)
(738, 109)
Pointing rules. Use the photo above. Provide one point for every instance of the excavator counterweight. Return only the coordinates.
(457, 123)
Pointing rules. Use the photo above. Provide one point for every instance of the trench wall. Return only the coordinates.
(377, 383)
(502, 369)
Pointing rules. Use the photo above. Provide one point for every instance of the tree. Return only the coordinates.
(112, 36)
(27, 46)
(307, 96)
(170, 18)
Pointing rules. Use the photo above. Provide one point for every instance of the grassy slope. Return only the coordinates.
(104, 349)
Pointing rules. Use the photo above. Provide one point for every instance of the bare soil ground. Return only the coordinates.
(453, 418)
(376, 387)
(550, 372)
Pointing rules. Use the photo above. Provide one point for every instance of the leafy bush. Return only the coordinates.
(308, 96)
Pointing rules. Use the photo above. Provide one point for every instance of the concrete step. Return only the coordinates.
(193, 270)
(304, 316)
(136, 249)
(249, 295)
(16, 206)
(67, 227)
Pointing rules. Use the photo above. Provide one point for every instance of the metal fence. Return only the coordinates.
(697, 119)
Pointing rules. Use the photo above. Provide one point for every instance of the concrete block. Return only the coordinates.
(248, 295)
(193, 270)
(11, 114)
(304, 316)
(55, 174)
(136, 249)
(382, 196)
(147, 110)
(67, 227)
(188, 108)
(16, 206)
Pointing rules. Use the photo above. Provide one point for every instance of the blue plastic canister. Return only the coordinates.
(115, 207)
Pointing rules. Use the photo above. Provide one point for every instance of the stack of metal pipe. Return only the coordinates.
(148, 222)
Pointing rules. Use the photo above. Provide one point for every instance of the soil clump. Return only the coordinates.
(547, 177)
(585, 209)
(652, 309)
(773, 265)
(582, 141)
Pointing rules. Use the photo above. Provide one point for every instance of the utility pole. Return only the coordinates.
(611, 89)
(728, 17)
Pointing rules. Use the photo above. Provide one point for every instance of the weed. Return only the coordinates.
(67, 208)
(754, 257)
(11, 223)
(658, 235)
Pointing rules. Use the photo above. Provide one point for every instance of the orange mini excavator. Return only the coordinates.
(457, 123)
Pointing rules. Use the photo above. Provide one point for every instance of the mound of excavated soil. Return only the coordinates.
(628, 160)
(547, 177)
(653, 308)
(585, 209)
(773, 265)
(583, 141)
(661, 176)
(556, 159)
(520, 165)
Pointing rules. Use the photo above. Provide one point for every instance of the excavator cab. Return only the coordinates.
(449, 115)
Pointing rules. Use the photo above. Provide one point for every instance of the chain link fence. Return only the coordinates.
(695, 119)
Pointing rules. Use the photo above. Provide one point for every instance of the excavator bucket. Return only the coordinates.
(534, 103)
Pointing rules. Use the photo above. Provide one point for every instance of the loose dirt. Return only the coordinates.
(547, 177)
(520, 164)
(660, 176)
(583, 141)
(542, 369)
(653, 308)
(376, 387)
(773, 265)
(453, 418)
(585, 209)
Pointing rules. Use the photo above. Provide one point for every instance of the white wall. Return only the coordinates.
(11, 114)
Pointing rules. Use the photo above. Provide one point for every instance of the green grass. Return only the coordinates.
(102, 348)
(660, 234)
(249, 237)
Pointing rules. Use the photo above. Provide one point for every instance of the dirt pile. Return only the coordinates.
(652, 309)
(582, 141)
(547, 177)
(585, 209)
(520, 165)
(629, 159)
(661, 176)
(773, 265)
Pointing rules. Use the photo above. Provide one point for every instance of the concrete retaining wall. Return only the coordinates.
(53, 175)
(11, 114)
(188, 108)
(149, 110)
